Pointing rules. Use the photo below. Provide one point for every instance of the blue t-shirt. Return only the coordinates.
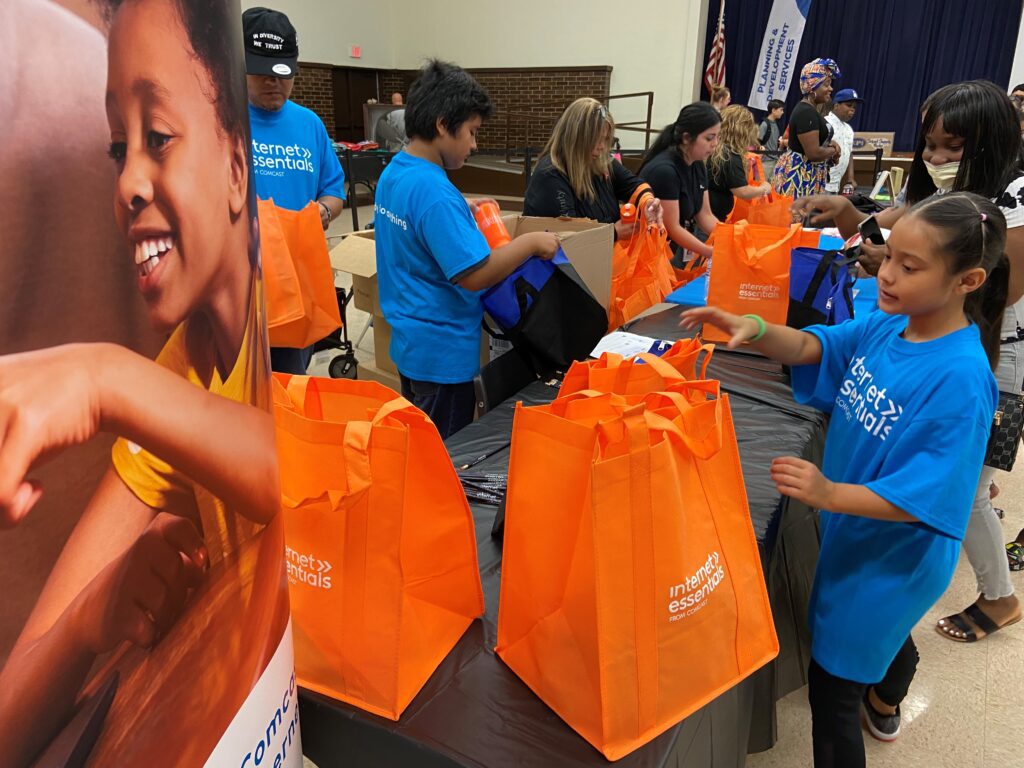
(292, 157)
(426, 237)
(911, 422)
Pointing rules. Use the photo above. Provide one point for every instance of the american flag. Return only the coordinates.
(714, 74)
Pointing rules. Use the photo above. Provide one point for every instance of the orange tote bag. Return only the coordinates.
(643, 275)
(750, 271)
(631, 588)
(302, 306)
(642, 271)
(380, 544)
(772, 209)
(640, 374)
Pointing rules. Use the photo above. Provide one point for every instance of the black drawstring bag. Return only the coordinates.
(547, 313)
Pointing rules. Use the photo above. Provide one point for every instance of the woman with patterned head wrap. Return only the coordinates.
(803, 170)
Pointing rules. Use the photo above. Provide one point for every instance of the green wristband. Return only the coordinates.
(762, 327)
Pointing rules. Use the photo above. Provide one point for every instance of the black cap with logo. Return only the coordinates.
(271, 47)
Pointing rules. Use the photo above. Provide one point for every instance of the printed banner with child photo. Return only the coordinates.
(145, 616)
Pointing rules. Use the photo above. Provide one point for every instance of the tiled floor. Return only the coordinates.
(966, 707)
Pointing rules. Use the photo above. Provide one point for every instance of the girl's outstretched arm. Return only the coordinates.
(787, 345)
(54, 398)
(804, 481)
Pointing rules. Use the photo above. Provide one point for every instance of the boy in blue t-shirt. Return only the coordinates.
(432, 260)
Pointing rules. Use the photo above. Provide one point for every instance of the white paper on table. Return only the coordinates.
(623, 343)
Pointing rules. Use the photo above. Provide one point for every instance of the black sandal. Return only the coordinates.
(1015, 555)
(969, 633)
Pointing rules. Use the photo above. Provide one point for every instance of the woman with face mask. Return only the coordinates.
(969, 142)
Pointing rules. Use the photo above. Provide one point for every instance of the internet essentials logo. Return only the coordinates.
(275, 159)
(861, 398)
(690, 596)
(308, 569)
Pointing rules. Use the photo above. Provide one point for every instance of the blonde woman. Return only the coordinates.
(720, 97)
(577, 177)
(727, 166)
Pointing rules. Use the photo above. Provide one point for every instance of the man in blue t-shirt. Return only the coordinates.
(293, 158)
(432, 260)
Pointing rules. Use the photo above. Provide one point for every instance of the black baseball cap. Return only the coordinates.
(271, 47)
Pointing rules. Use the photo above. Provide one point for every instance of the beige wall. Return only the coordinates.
(658, 49)
(326, 29)
(654, 51)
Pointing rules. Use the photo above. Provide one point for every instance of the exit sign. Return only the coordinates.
(355, 51)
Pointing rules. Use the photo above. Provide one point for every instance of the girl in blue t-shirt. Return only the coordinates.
(911, 395)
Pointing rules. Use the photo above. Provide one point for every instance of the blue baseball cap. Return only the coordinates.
(847, 94)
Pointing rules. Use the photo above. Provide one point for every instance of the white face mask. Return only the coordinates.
(944, 175)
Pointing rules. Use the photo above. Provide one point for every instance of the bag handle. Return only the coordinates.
(643, 622)
(825, 263)
(664, 368)
(754, 254)
(358, 436)
(707, 349)
(525, 291)
(304, 393)
(704, 444)
(642, 191)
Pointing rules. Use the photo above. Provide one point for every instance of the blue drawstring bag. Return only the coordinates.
(547, 313)
(820, 287)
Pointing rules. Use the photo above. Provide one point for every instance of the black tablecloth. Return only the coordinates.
(475, 712)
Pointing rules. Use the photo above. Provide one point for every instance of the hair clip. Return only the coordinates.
(984, 217)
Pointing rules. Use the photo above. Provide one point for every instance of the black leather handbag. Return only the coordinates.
(1007, 425)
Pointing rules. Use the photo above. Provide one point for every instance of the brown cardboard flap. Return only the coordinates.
(587, 244)
(382, 344)
(356, 254)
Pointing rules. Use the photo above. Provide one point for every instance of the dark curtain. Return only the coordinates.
(893, 52)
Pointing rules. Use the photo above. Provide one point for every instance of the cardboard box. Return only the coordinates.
(587, 245)
(372, 373)
(357, 255)
(381, 344)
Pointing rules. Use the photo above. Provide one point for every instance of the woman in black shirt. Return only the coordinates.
(674, 167)
(803, 170)
(577, 178)
(727, 167)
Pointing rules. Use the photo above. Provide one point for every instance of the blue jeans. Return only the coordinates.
(449, 406)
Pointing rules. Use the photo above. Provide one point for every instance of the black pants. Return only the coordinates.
(835, 708)
(290, 360)
(449, 406)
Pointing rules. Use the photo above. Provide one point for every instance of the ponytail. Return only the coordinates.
(692, 121)
(985, 307)
(665, 140)
(972, 234)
